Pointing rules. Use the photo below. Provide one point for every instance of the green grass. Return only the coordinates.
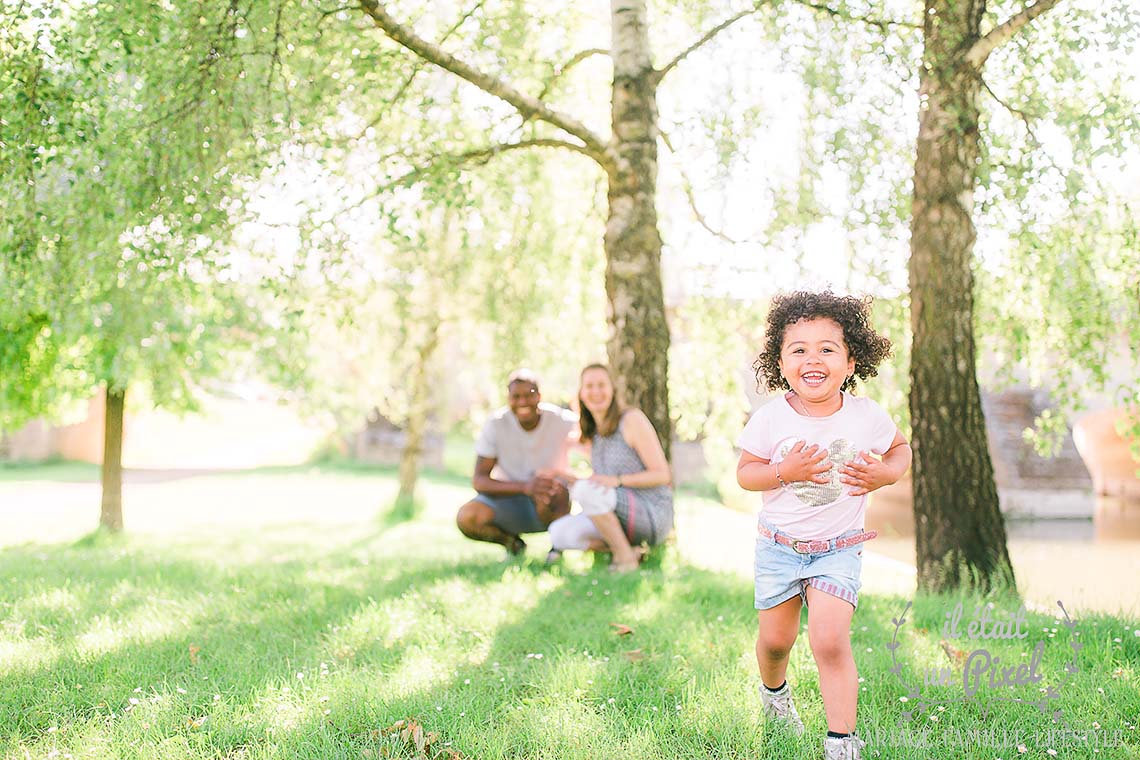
(310, 633)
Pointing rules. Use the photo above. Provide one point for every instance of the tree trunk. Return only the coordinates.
(418, 414)
(111, 516)
(638, 344)
(959, 530)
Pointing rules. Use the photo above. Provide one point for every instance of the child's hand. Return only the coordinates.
(805, 462)
(865, 473)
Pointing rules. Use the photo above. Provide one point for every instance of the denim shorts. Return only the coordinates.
(782, 573)
(515, 514)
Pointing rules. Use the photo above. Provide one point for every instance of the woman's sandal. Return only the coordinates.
(629, 567)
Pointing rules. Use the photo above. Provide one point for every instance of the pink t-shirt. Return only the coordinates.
(817, 510)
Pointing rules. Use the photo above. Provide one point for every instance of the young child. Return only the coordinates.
(810, 451)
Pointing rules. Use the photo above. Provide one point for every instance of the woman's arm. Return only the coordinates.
(638, 432)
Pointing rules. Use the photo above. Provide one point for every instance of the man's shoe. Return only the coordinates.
(846, 748)
(778, 706)
(516, 546)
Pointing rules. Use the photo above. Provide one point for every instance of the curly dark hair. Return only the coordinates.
(852, 314)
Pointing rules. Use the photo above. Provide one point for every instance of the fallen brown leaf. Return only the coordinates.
(194, 650)
(955, 654)
(635, 655)
(621, 629)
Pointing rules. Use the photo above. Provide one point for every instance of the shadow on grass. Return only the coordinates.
(530, 663)
(105, 623)
(563, 682)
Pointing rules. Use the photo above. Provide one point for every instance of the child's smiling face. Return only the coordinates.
(814, 359)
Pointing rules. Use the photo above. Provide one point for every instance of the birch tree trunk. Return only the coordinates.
(111, 515)
(638, 346)
(959, 530)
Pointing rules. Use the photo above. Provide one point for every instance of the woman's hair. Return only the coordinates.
(853, 315)
(609, 423)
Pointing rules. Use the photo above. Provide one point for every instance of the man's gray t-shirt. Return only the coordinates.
(521, 453)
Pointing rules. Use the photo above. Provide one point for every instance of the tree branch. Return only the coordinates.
(1002, 33)
(577, 58)
(474, 156)
(392, 101)
(529, 107)
(704, 39)
(1025, 117)
(882, 24)
(687, 186)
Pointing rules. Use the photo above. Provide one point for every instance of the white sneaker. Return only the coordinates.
(846, 748)
(778, 706)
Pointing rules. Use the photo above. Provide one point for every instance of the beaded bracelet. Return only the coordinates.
(783, 483)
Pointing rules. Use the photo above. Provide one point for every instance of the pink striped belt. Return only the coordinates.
(819, 545)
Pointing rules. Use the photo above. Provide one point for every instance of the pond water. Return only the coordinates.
(1090, 564)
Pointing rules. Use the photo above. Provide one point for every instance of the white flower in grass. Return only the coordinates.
(466, 681)
(904, 699)
(941, 708)
(1051, 751)
(610, 700)
(1021, 748)
(300, 676)
(1136, 632)
(1095, 724)
(934, 718)
(1116, 641)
